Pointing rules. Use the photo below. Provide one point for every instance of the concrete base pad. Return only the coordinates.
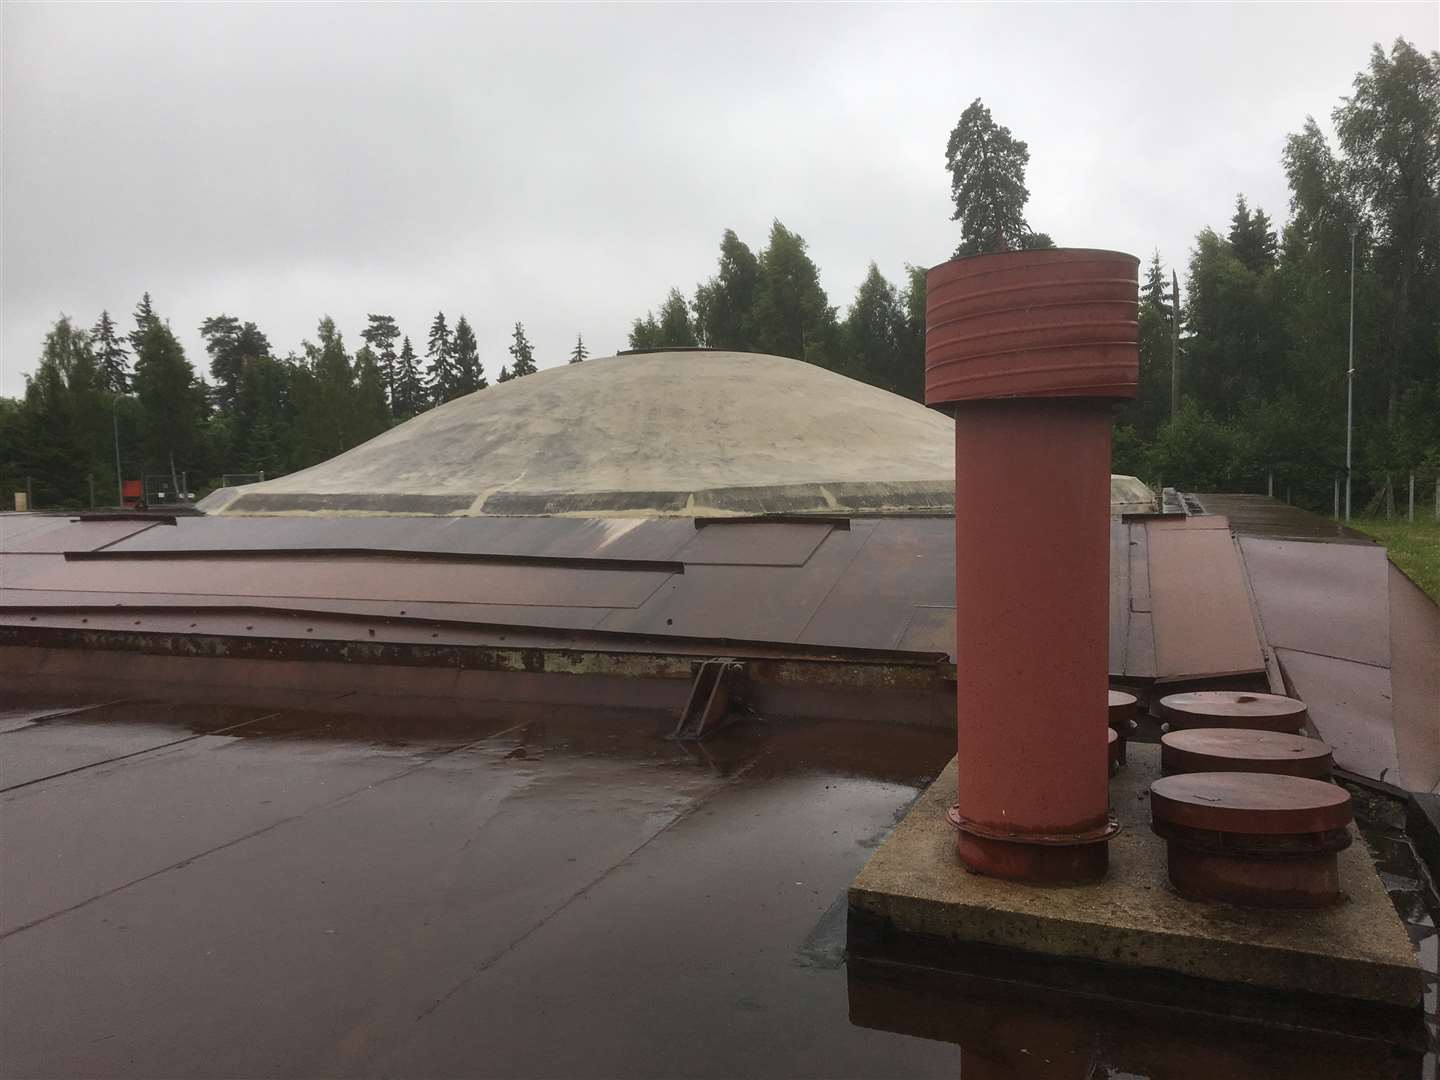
(915, 888)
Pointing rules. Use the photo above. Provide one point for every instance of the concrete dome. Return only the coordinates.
(663, 433)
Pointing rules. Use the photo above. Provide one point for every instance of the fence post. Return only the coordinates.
(1412, 499)
(91, 477)
(1337, 498)
(1437, 498)
(1389, 498)
(1270, 484)
(29, 494)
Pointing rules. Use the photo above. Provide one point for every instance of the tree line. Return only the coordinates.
(1264, 325)
(99, 399)
(1261, 327)
(774, 303)
(1261, 330)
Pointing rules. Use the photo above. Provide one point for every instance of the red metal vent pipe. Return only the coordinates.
(1029, 349)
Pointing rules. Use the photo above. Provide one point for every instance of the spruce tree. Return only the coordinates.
(987, 184)
(172, 402)
(369, 412)
(326, 397)
(1151, 405)
(440, 372)
(144, 317)
(523, 354)
(112, 357)
(469, 372)
(264, 416)
(1251, 237)
(579, 353)
(380, 335)
(410, 397)
(911, 381)
(872, 333)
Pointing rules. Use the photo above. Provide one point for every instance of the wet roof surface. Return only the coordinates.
(208, 891)
(1178, 604)
(303, 894)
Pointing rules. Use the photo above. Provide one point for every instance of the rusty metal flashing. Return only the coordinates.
(799, 667)
(663, 566)
(128, 515)
(834, 521)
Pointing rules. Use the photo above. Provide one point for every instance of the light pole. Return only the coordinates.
(119, 482)
(1350, 378)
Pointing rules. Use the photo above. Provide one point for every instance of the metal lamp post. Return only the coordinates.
(1350, 378)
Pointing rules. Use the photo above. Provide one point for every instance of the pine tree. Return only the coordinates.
(144, 317)
(523, 354)
(504, 375)
(469, 372)
(579, 353)
(440, 372)
(380, 335)
(987, 184)
(410, 397)
(230, 344)
(112, 357)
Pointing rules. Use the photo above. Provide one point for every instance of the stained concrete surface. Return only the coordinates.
(1356, 949)
(455, 892)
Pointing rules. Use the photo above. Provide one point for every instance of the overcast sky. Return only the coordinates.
(564, 166)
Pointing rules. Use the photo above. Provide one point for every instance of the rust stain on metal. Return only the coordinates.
(662, 566)
(1252, 838)
(1028, 348)
(1233, 709)
(1058, 323)
(1122, 725)
(1240, 750)
(810, 668)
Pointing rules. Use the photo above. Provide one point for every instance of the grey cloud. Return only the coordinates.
(564, 166)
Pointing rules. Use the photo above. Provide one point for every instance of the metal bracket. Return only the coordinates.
(711, 695)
